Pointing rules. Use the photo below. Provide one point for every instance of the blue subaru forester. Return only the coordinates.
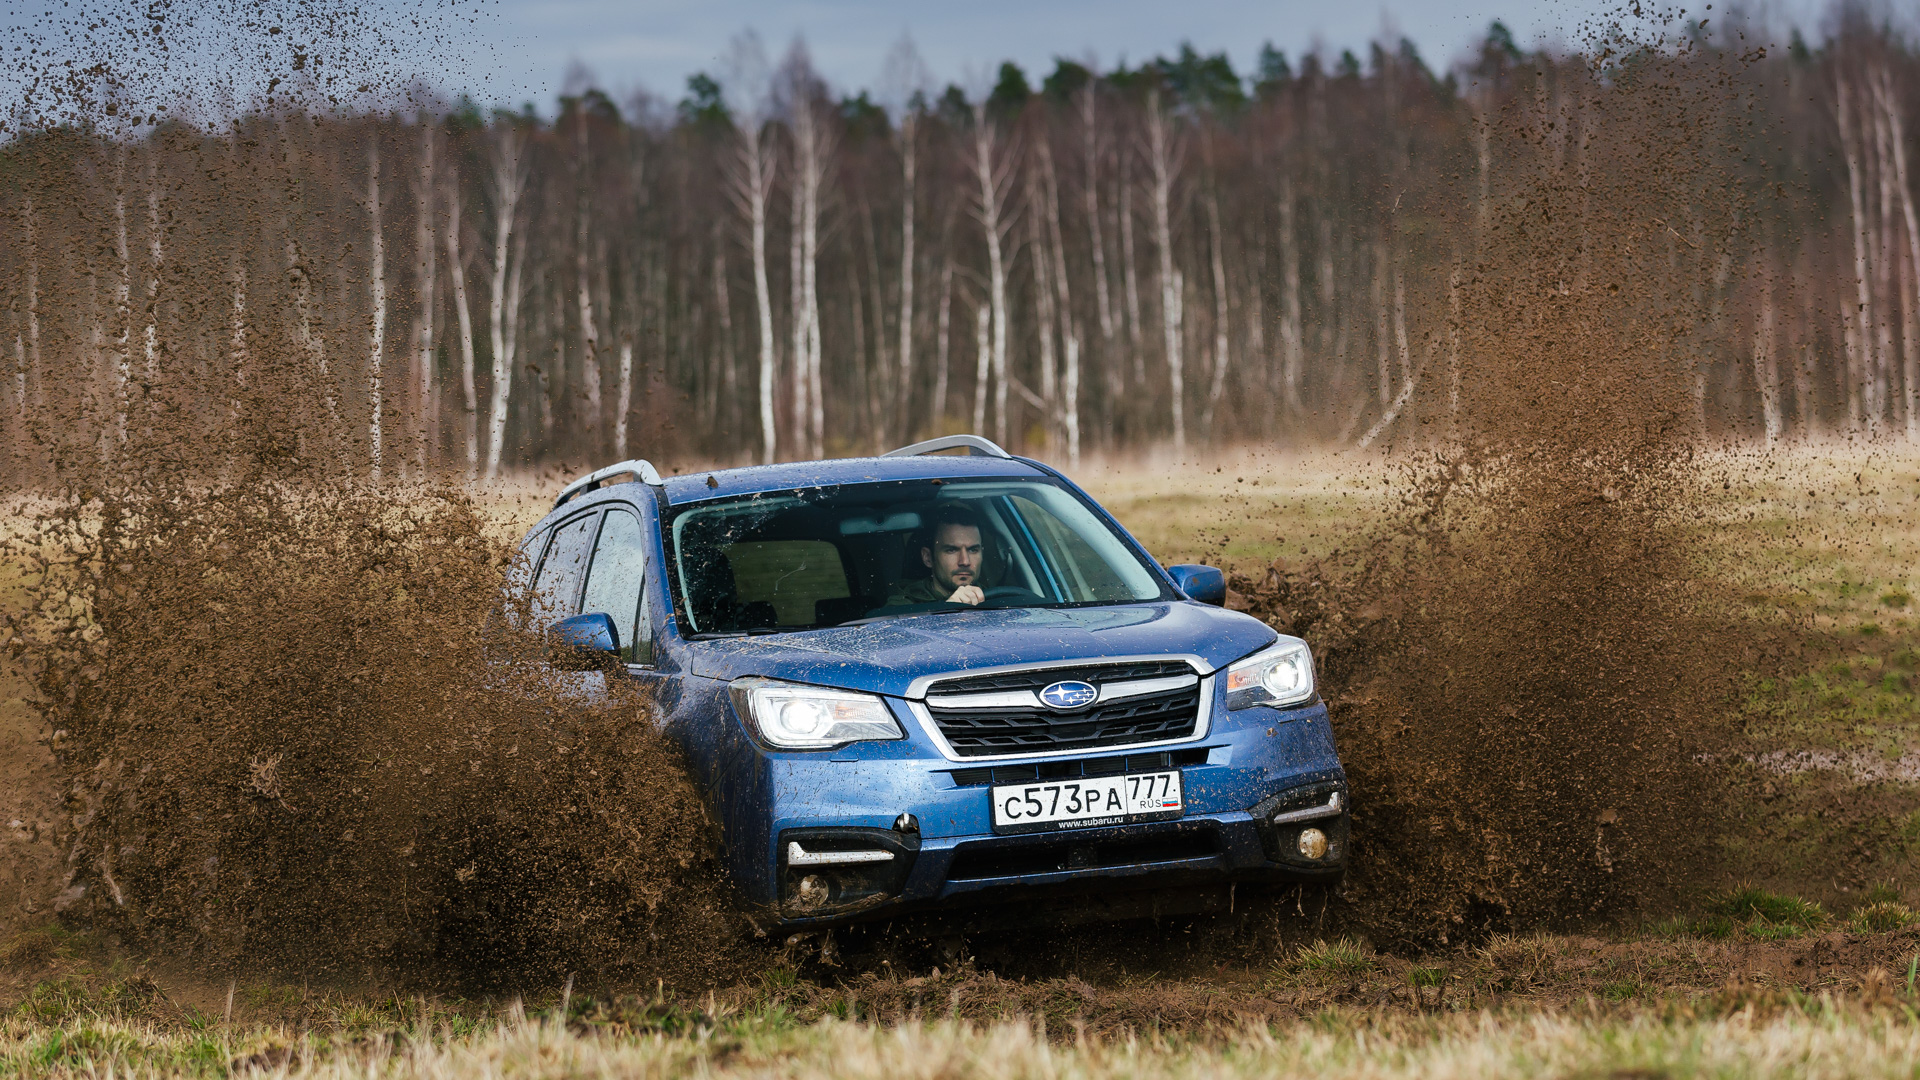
(922, 681)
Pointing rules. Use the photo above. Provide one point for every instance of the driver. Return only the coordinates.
(951, 547)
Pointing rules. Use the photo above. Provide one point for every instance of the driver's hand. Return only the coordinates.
(967, 594)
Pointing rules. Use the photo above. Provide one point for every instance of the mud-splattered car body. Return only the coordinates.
(1080, 702)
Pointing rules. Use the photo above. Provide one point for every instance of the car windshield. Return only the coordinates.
(826, 557)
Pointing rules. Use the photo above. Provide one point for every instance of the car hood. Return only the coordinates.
(886, 656)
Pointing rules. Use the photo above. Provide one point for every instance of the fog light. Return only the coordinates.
(1313, 844)
(813, 889)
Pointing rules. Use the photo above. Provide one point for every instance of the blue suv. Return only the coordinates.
(921, 681)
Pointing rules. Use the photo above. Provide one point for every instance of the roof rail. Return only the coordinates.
(639, 467)
(976, 447)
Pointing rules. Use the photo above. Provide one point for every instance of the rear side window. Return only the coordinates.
(559, 579)
(790, 575)
(615, 584)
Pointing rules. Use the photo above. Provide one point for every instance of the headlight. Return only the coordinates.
(1279, 675)
(796, 717)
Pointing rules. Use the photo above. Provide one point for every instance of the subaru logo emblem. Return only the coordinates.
(1068, 694)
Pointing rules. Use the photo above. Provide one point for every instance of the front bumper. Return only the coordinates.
(931, 815)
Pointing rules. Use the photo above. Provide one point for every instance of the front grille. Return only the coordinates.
(971, 862)
(1145, 718)
(1073, 770)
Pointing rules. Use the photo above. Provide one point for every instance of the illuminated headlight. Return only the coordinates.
(795, 717)
(1280, 675)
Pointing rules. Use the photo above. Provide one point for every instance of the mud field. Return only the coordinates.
(1627, 709)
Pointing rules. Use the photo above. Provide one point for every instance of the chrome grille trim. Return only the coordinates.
(1202, 726)
(918, 688)
(1027, 699)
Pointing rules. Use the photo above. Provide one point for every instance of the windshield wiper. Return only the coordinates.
(752, 631)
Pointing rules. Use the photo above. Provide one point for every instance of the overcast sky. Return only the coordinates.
(510, 52)
(656, 44)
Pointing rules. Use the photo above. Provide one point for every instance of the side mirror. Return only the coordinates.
(1202, 583)
(584, 642)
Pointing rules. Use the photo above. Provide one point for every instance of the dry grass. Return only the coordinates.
(1815, 1042)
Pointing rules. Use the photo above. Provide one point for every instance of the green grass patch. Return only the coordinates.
(1882, 917)
(1750, 902)
(1344, 956)
(1896, 598)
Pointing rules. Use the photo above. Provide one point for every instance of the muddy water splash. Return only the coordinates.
(1525, 649)
(294, 725)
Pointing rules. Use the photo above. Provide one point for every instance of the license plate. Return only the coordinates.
(1088, 802)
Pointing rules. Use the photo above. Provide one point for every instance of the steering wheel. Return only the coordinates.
(1011, 592)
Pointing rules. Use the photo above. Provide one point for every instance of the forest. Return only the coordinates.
(1170, 255)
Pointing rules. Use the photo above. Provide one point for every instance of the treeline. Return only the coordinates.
(1170, 254)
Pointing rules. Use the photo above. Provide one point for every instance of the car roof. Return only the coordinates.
(796, 475)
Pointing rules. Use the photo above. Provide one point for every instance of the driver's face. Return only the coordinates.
(954, 556)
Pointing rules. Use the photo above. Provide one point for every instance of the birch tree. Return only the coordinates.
(812, 149)
(1857, 322)
(377, 285)
(905, 78)
(1889, 103)
(463, 315)
(1163, 164)
(992, 174)
(425, 248)
(507, 151)
(750, 175)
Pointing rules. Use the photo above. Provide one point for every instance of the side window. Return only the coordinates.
(615, 584)
(559, 579)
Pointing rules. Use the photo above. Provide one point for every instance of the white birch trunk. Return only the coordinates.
(1910, 302)
(983, 354)
(1859, 322)
(1380, 345)
(1043, 315)
(760, 179)
(426, 294)
(377, 344)
(1222, 359)
(1766, 368)
(1292, 348)
(811, 145)
(1160, 158)
(904, 398)
(1088, 105)
(583, 291)
(1069, 329)
(509, 182)
(152, 332)
(943, 347)
(463, 314)
(1130, 275)
(123, 303)
(31, 358)
(1884, 261)
(991, 177)
(624, 399)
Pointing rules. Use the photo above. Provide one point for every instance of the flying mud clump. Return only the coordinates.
(1524, 649)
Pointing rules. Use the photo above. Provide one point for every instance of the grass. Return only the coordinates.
(1796, 1039)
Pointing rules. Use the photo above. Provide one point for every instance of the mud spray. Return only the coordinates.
(1527, 654)
(295, 730)
(294, 727)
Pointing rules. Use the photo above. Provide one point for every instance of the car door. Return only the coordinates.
(619, 580)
